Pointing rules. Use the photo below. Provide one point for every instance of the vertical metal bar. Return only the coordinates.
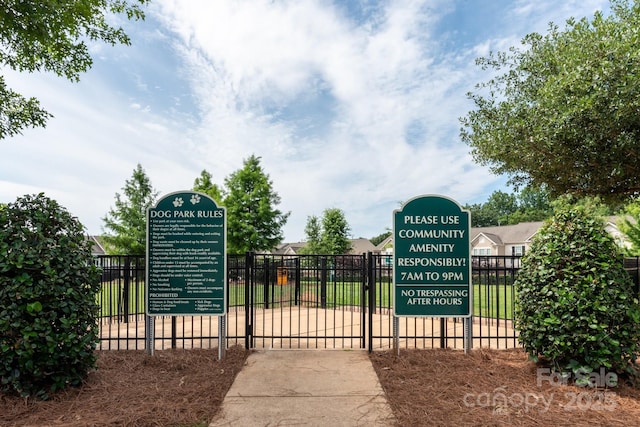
(323, 282)
(173, 332)
(150, 329)
(222, 338)
(468, 331)
(297, 281)
(248, 303)
(396, 335)
(266, 283)
(443, 333)
(127, 284)
(370, 289)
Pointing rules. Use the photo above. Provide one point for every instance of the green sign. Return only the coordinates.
(186, 256)
(432, 268)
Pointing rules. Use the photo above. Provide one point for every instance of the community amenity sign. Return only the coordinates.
(432, 268)
(186, 256)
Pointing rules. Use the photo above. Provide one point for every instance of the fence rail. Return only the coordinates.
(310, 301)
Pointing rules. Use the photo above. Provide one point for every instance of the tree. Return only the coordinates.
(128, 220)
(253, 222)
(48, 305)
(575, 302)
(380, 238)
(564, 113)
(52, 36)
(204, 184)
(330, 236)
(313, 231)
(335, 232)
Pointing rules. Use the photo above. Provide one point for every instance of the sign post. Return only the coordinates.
(186, 257)
(432, 264)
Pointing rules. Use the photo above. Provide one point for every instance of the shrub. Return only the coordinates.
(48, 308)
(576, 305)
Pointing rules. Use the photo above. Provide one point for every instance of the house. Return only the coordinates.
(289, 248)
(510, 239)
(96, 247)
(358, 246)
(503, 240)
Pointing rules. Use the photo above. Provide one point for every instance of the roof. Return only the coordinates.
(96, 247)
(360, 246)
(505, 234)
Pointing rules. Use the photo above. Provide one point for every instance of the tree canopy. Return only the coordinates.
(204, 184)
(253, 222)
(328, 235)
(52, 36)
(565, 112)
(127, 221)
(530, 204)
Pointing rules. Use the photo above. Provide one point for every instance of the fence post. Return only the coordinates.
(323, 282)
(297, 281)
(248, 300)
(266, 278)
(174, 332)
(367, 300)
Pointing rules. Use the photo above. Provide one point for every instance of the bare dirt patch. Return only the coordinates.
(423, 387)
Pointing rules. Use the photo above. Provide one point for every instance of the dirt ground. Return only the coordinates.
(423, 387)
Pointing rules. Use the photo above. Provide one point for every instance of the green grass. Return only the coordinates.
(111, 298)
(495, 300)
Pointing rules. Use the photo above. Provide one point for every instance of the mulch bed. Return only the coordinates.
(495, 388)
(423, 387)
(129, 388)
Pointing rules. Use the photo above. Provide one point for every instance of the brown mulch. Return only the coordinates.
(495, 388)
(130, 388)
(423, 387)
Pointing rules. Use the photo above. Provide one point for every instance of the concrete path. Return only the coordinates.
(306, 388)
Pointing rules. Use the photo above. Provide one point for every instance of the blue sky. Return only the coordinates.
(350, 104)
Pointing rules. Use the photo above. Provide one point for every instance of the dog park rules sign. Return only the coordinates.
(432, 268)
(186, 256)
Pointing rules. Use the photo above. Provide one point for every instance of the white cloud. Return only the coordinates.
(348, 108)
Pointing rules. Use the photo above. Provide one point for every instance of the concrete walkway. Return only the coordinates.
(306, 388)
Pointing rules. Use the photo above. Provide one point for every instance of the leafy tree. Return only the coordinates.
(48, 308)
(329, 236)
(335, 232)
(380, 238)
(253, 222)
(530, 204)
(481, 217)
(564, 111)
(575, 303)
(204, 184)
(128, 220)
(534, 204)
(313, 231)
(501, 205)
(52, 36)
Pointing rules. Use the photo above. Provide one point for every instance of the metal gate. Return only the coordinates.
(308, 301)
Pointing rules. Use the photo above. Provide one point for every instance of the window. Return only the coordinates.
(482, 251)
(517, 250)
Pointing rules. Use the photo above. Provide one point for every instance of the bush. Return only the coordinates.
(48, 308)
(576, 305)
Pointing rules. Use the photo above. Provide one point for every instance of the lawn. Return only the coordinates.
(489, 300)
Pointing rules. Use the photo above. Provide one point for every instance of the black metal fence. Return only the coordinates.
(310, 301)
